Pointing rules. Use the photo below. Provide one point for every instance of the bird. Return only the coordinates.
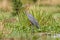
(30, 16)
(32, 19)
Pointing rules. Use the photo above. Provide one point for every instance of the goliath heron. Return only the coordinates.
(30, 16)
(32, 19)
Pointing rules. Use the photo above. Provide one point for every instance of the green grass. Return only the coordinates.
(23, 29)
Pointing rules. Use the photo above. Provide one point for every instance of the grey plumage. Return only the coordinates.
(32, 19)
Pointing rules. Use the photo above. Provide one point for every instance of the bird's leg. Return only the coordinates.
(32, 28)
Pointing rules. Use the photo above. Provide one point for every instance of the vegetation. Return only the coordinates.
(17, 25)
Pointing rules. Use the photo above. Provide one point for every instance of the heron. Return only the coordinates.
(32, 19)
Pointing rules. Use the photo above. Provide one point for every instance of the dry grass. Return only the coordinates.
(50, 2)
(5, 5)
(1, 26)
